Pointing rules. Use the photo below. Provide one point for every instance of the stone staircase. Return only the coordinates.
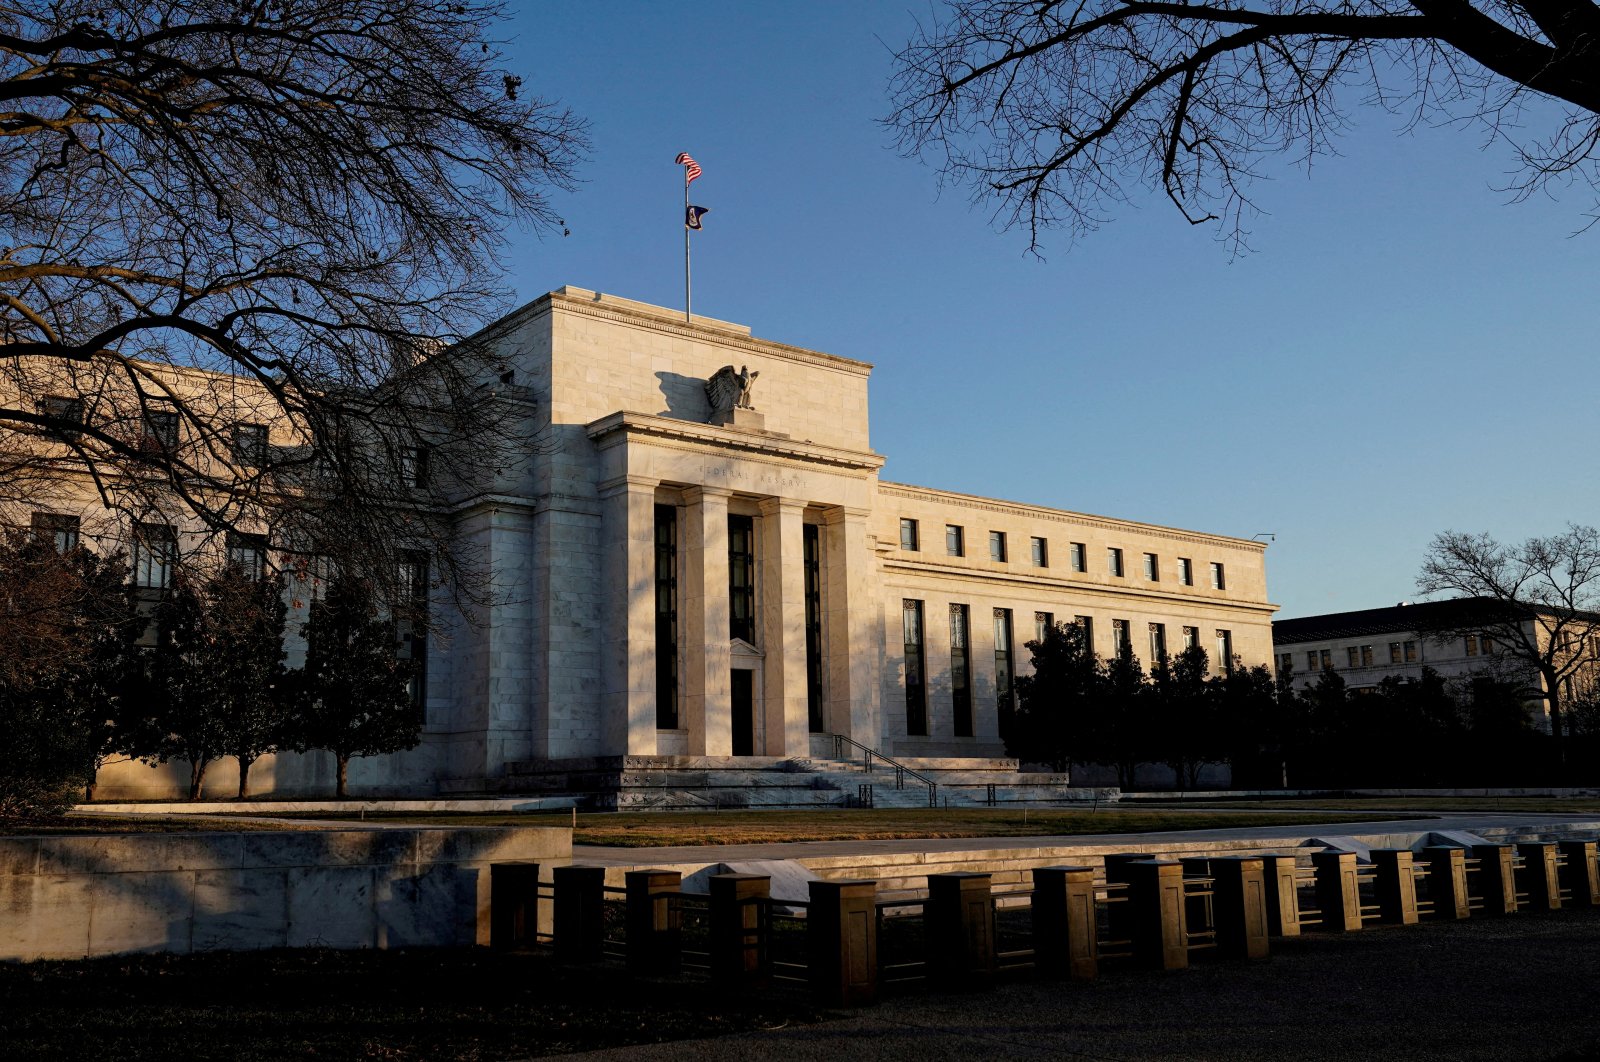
(639, 783)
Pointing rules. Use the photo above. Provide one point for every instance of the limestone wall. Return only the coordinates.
(70, 897)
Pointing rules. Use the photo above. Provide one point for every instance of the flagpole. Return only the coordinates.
(686, 319)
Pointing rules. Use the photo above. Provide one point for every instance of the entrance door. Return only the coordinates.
(744, 712)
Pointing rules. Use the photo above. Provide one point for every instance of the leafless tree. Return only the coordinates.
(1056, 111)
(1538, 600)
(219, 214)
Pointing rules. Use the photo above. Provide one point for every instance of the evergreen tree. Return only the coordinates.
(1121, 731)
(1183, 716)
(1056, 702)
(246, 617)
(186, 713)
(352, 695)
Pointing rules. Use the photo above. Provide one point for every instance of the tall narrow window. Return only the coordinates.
(66, 415)
(1042, 622)
(1352, 656)
(1327, 659)
(1121, 643)
(59, 530)
(414, 466)
(1185, 571)
(155, 549)
(1285, 663)
(1366, 656)
(250, 445)
(1086, 625)
(1219, 579)
(916, 686)
(1158, 643)
(1191, 637)
(666, 617)
(247, 554)
(1411, 652)
(1080, 557)
(1152, 567)
(997, 546)
(1225, 652)
(1312, 660)
(812, 539)
(1041, 552)
(1394, 652)
(742, 578)
(160, 430)
(1472, 645)
(960, 672)
(908, 535)
(955, 543)
(1114, 561)
(1003, 671)
(412, 623)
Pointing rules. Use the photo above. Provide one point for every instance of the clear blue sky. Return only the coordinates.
(1403, 353)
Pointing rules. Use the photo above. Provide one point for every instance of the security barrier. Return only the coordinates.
(1338, 889)
(1447, 882)
(1580, 874)
(842, 942)
(1283, 876)
(1497, 876)
(513, 905)
(738, 929)
(1396, 885)
(1064, 922)
(1541, 873)
(654, 921)
(958, 927)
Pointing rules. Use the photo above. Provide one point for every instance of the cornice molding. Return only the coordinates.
(705, 438)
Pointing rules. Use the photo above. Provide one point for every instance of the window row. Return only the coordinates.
(955, 545)
(1401, 652)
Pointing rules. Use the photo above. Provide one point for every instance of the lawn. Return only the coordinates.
(665, 828)
(1545, 805)
(75, 824)
(451, 1005)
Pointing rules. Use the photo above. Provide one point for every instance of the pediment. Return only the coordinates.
(740, 647)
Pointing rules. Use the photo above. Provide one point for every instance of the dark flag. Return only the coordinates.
(691, 218)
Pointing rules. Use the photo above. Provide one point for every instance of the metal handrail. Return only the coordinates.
(900, 769)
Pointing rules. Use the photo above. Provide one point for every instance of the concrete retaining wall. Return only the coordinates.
(70, 897)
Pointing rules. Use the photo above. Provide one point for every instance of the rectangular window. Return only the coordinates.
(1472, 645)
(1121, 641)
(1004, 673)
(1041, 552)
(997, 546)
(742, 578)
(1366, 656)
(160, 430)
(247, 554)
(1225, 652)
(1114, 561)
(414, 466)
(960, 672)
(1191, 637)
(1152, 567)
(1185, 571)
(1350, 656)
(1042, 622)
(1327, 659)
(1219, 580)
(66, 415)
(1158, 643)
(811, 537)
(59, 530)
(1485, 645)
(1394, 652)
(954, 540)
(1080, 557)
(155, 550)
(1285, 662)
(666, 617)
(908, 536)
(916, 687)
(412, 623)
(1411, 652)
(250, 445)
(1086, 625)
(1311, 660)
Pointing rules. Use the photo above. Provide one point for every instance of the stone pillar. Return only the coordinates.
(1065, 940)
(1580, 876)
(655, 934)
(580, 913)
(1540, 874)
(781, 599)
(842, 942)
(1239, 906)
(627, 550)
(738, 947)
(703, 608)
(1396, 885)
(513, 905)
(1160, 931)
(1497, 878)
(852, 627)
(1283, 895)
(1447, 881)
(1338, 890)
(958, 930)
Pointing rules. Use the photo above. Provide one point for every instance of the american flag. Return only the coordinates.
(691, 168)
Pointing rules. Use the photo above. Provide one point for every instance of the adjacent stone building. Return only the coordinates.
(698, 559)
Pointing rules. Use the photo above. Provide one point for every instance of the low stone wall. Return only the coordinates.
(77, 896)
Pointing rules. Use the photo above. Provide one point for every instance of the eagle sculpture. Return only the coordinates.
(729, 390)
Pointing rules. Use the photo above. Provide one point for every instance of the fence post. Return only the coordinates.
(1497, 876)
(1447, 881)
(1544, 884)
(1064, 929)
(655, 931)
(842, 942)
(1239, 906)
(1283, 895)
(958, 925)
(1160, 937)
(580, 927)
(738, 928)
(1396, 885)
(513, 905)
(1581, 875)
(1338, 890)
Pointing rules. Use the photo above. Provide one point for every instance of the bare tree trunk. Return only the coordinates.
(1552, 695)
(343, 790)
(197, 774)
(244, 776)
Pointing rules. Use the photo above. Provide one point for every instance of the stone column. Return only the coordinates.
(629, 661)
(703, 608)
(852, 627)
(781, 599)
